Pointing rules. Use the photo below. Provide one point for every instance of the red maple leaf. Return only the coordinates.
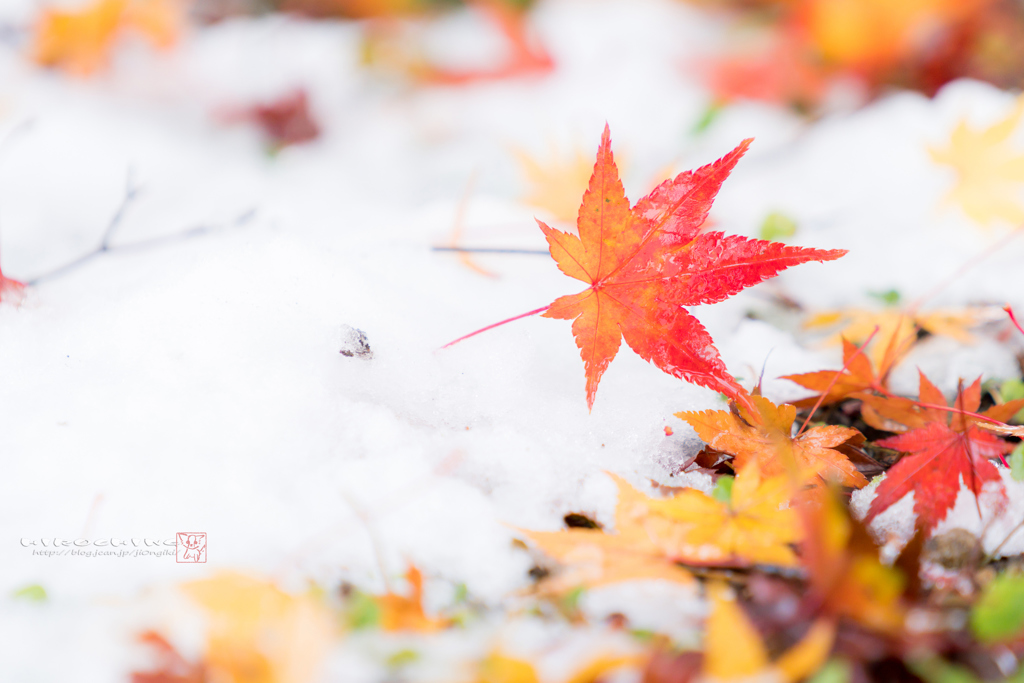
(942, 449)
(644, 264)
(284, 121)
(780, 74)
(173, 668)
(11, 290)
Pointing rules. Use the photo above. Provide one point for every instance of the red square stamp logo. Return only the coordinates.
(191, 546)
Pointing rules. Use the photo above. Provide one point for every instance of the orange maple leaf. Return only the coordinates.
(765, 438)
(80, 41)
(388, 43)
(172, 666)
(872, 36)
(847, 579)
(644, 264)
(857, 376)
(405, 613)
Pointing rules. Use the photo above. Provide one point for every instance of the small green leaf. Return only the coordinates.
(936, 670)
(723, 489)
(571, 600)
(777, 226)
(33, 593)
(1011, 390)
(363, 611)
(461, 594)
(402, 658)
(1017, 462)
(836, 670)
(707, 118)
(999, 613)
(889, 297)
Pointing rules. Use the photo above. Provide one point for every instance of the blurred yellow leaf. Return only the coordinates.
(593, 557)
(897, 329)
(498, 668)
(258, 633)
(734, 650)
(556, 183)
(990, 170)
(80, 42)
(755, 527)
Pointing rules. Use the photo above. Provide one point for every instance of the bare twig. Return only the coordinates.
(105, 246)
(378, 551)
(835, 379)
(995, 551)
(482, 250)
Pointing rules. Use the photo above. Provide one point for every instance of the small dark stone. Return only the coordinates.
(354, 343)
(575, 520)
(537, 573)
(955, 549)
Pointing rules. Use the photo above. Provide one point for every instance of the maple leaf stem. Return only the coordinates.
(967, 413)
(948, 409)
(835, 379)
(913, 307)
(1013, 318)
(498, 324)
(995, 551)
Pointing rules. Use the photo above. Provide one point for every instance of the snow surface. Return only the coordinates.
(199, 386)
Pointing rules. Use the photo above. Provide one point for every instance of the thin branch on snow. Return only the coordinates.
(470, 250)
(132, 191)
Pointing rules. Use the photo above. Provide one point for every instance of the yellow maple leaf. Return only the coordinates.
(556, 183)
(80, 41)
(258, 633)
(734, 650)
(593, 557)
(500, 668)
(755, 526)
(765, 438)
(897, 329)
(990, 170)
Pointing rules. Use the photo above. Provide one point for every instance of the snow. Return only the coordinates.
(199, 385)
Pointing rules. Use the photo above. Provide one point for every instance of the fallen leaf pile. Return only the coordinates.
(794, 585)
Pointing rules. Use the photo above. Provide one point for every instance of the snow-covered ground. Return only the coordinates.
(198, 386)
